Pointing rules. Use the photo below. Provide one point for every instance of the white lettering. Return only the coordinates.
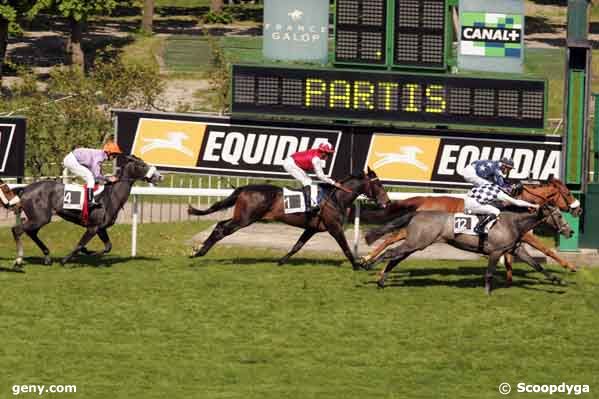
(287, 146)
(468, 154)
(523, 160)
(447, 160)
(253, 157)
(270, 149)
(233, 148)
(551, 165)
(212, 145)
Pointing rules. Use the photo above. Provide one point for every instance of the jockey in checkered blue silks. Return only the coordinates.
(488, 178)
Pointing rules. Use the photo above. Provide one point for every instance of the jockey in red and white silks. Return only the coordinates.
(313, 160)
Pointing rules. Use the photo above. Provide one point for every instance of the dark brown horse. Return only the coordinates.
(265, 202)
(554, 193)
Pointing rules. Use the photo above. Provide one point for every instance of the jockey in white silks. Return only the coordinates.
(488, 178)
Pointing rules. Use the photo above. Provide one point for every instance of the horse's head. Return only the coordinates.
(135, 168)
(554, 193)
(564, 198)
(554, 218)
(374, 190)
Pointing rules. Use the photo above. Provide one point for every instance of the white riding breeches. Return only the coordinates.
(471, 177)
(472, 205)
(70, 162)
(298, 173)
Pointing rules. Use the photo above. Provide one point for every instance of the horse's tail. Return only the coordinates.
(395, 224)
(217, 206)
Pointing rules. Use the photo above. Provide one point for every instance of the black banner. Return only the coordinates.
(12, 147)
(413, 157)
(387, 96)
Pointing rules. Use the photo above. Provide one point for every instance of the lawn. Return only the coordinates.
(234, 325)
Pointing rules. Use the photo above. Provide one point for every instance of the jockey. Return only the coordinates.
(486, 171)
(86, 163)
(312, 160)
(480, 201)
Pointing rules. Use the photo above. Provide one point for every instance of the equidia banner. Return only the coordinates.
(193, 143)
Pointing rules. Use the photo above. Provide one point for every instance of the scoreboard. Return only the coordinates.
(390, 96)
(398, 33)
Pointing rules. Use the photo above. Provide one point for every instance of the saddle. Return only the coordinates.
(293, 199)
(74, 197)
(464, 223)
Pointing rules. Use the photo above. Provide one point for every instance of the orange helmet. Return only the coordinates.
(112, 148)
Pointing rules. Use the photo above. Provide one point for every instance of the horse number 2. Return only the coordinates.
(67, 197)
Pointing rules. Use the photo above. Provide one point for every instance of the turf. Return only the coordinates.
(234, 325)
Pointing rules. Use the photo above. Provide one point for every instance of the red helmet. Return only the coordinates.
(327, 148)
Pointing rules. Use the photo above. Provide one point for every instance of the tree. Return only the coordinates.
(10, 13)
(148, 17)
(77, 12)
(216, 6)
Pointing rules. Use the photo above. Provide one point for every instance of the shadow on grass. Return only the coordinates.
(82, 261)
(243, 261)
(10, 270)
(421, 278)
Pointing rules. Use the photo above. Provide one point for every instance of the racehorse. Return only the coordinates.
(554, 193)
(426, 228)
(265, 202)
(41, 199)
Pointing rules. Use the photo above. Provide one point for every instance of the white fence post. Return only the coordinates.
(134, 215)
(356, 228)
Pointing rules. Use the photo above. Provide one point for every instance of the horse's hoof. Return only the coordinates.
(18, 267)
(64, 261)
(48, 262)
(380, 284)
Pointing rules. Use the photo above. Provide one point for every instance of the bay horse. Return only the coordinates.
(426, 228)
(40, 200)
(554, 193)
(265, 202)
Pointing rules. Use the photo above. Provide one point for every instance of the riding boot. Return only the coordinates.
(308, 200)
(482, 222)
(91, 202)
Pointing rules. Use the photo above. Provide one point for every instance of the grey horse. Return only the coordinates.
(42, 199)
(428, 227)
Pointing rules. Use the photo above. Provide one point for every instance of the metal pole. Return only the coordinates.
(356, 228)
(134, 228)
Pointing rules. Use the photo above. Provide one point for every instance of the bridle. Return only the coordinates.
(552, 214)
(558, 191)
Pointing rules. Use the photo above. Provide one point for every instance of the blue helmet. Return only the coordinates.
(505, 161)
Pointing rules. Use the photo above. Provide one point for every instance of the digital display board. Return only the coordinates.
(360, 31)
(391, 96)
(419, 39)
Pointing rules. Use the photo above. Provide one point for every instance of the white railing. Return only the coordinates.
(137, 192)
(213, 192)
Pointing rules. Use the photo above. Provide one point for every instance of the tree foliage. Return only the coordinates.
(74, 109)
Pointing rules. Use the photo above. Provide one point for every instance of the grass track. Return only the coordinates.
(234, 325)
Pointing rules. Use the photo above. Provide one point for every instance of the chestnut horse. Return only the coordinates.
(554, 193)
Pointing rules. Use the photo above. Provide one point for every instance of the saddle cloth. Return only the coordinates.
(464, 223)
(293, 200)
(74, 196)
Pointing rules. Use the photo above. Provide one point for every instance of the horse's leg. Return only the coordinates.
(509, 259)
(304, 238)
(87, 236)
(31, 228)
(336, 231)
(491, 267)
(392, 239)
(103, 234)
(394, 256)
(526, 257)
(221, 230)
(33, 235)
(533, 241)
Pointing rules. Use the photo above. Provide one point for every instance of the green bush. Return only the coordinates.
(74, 109)
(218, 18)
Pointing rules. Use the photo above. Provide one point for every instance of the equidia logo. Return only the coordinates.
(174, 142)
(407, 155)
